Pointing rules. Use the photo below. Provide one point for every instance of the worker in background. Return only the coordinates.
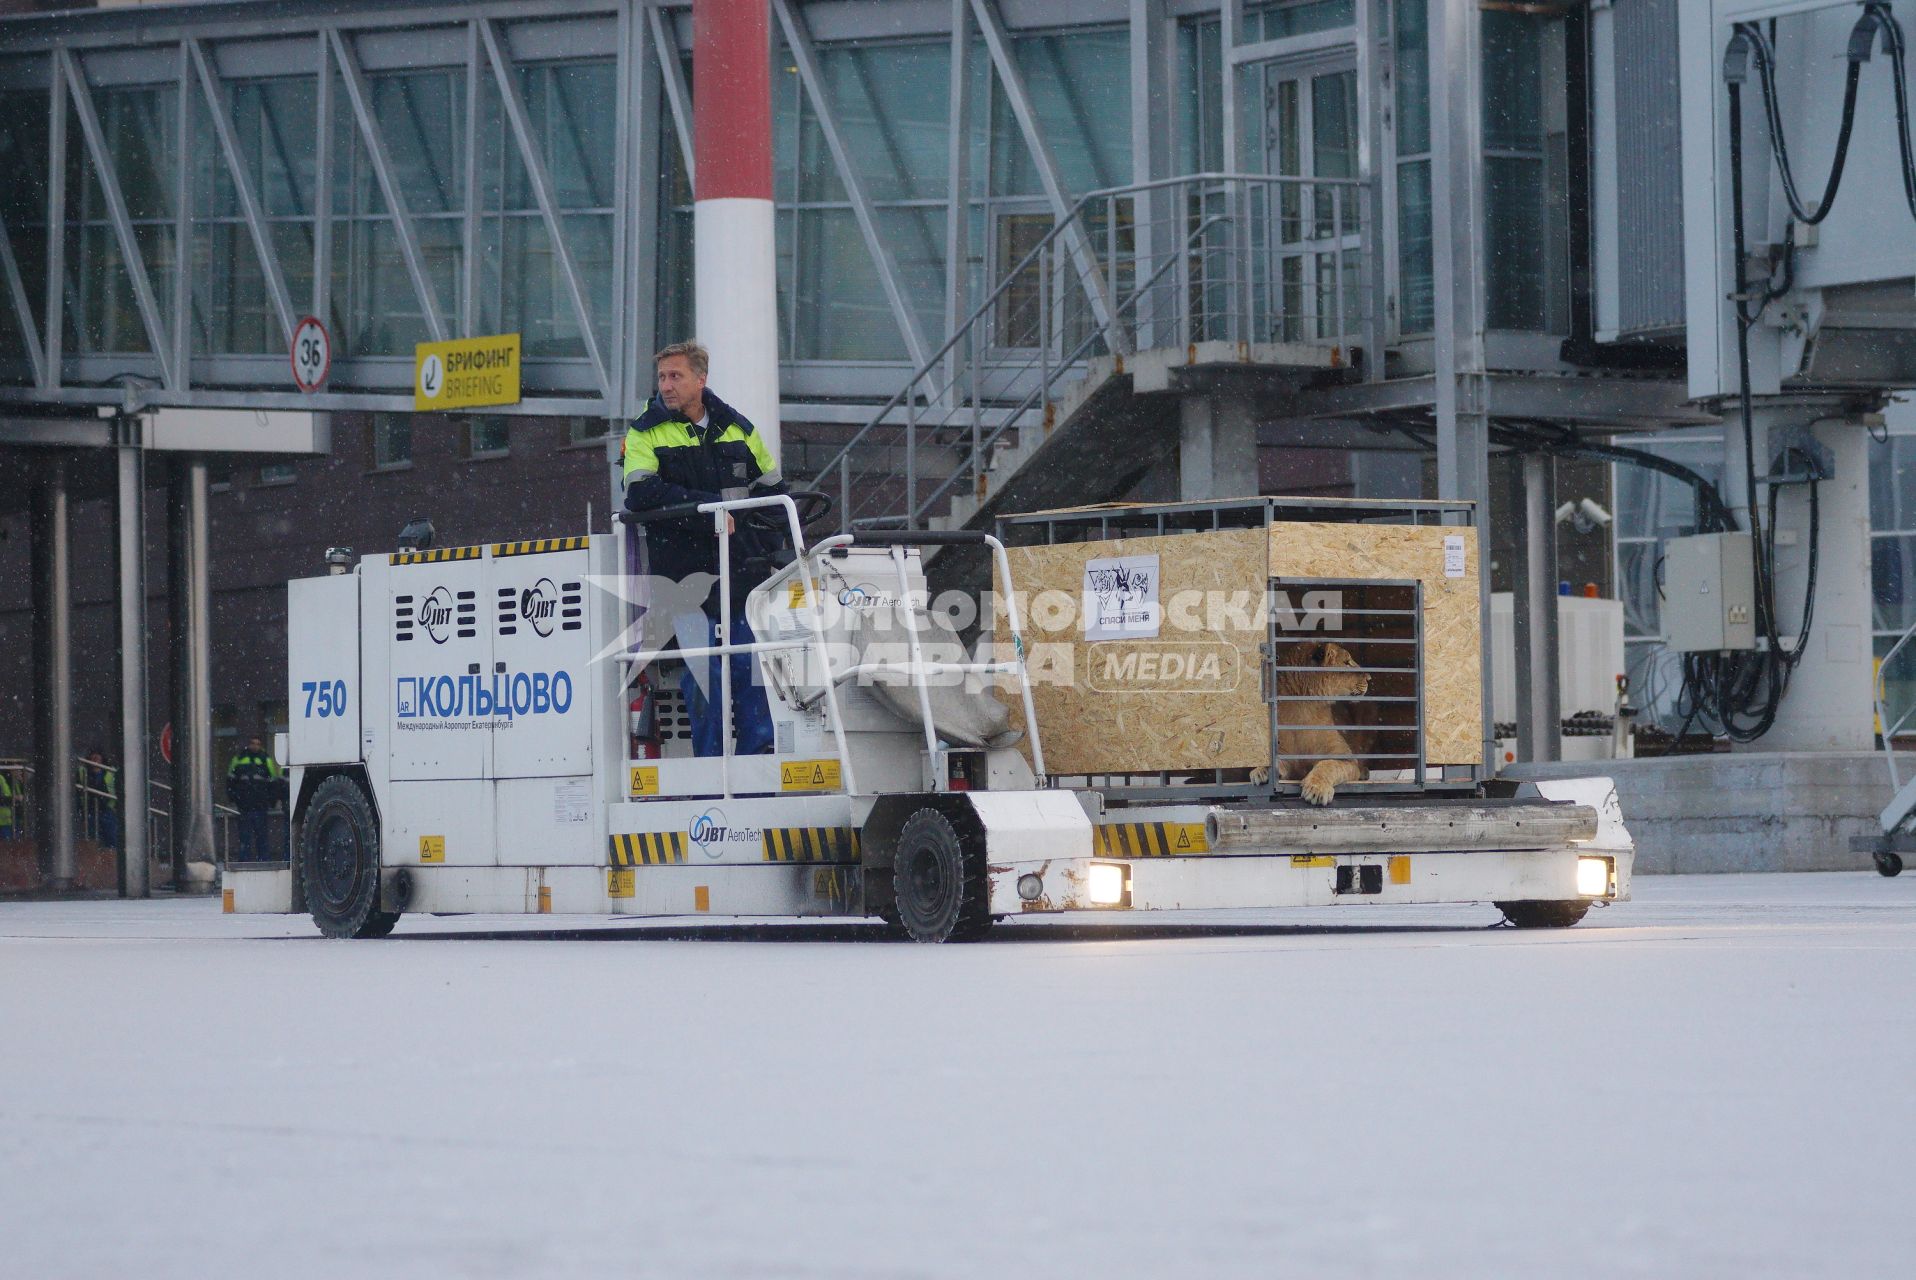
(7, 831)
(252, 784)
(99, 799)
(689, 446)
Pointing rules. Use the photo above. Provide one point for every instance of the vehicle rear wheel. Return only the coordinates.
(1889, 864)
(338, 862)
(1544, 915)
(938, 878)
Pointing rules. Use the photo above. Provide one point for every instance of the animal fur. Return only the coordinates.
(1308, 698)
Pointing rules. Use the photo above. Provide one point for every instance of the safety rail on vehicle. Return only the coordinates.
(918, 670)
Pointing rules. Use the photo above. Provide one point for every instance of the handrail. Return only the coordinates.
(1283, 265)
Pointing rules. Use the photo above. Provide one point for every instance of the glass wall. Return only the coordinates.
(101, 313)
(1416, 297)
(1526, 194)
(274, 123)
(23, 209)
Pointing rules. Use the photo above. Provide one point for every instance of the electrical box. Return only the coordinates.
(1709, 593)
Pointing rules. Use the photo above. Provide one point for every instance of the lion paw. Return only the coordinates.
(1318, 791)
(1261, 775)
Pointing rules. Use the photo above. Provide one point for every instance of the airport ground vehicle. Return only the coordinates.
(488, 729)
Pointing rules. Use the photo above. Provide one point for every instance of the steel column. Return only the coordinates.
(182, 301)
(323, 190)
(957, 190)
(469, 223)
(1534, 617)
(360, 95)
(1456, 184)
(642, 186)
(1156, 227)
(52, 558)
(798, 39)
(53, 338)
(133, 691)
(189, 605)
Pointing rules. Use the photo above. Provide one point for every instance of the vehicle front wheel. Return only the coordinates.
(1889, 864)
(338, 862)
(1543, 915)
(939, 880)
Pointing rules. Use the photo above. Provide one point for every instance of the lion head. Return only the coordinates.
(1337, 677)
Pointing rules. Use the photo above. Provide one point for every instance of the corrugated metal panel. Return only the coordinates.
(1649, 167)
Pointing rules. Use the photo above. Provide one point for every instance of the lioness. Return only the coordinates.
(1305, 699)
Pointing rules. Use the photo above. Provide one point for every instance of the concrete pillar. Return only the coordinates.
(52, 556)
(131, 532)
(189, 607)
(1828, 706)
(735, 259)
(1217, 448)
(1534, 616)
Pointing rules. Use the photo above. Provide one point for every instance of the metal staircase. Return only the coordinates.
(1043, 397)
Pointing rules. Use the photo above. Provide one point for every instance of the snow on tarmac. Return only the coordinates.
(1713, 1080)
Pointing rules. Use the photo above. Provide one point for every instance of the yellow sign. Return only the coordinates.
(432, 848)
(809, 775)
(466, 374)
(795, 599)
(644, 780)
(621, 882)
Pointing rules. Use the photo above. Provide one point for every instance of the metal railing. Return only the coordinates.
(97, 813)
(1169, 264)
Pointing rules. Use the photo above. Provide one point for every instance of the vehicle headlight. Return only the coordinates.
(1593, 877)
(1104, 884)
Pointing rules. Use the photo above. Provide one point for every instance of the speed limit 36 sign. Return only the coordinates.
(312, 354)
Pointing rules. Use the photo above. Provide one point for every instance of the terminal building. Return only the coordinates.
(1004, 255)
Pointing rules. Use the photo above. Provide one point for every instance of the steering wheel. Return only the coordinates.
(812, 506)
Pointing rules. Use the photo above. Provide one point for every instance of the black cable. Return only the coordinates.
(1765, 58)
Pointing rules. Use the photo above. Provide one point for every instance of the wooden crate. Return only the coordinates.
(1099, 716)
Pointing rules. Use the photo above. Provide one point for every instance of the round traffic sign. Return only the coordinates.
(312, 354)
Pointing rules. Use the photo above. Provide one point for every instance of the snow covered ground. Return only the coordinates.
(1713, 1080)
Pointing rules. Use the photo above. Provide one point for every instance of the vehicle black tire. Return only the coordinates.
(338, 863)
(938, 877)
(1888, 863)
(1544, 915)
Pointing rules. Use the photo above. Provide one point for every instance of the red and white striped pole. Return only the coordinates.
(735, 267)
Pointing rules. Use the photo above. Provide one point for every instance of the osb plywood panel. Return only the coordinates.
(1453, 662)
(1096, 714)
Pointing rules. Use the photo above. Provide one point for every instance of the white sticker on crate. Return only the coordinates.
(1121, 598)
(1453, 555)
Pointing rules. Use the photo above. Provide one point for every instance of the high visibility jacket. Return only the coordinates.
(6, 801)
(252, 781)
(96, 777)
(669, 461)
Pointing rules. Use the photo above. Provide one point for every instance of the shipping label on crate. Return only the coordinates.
(1120, 599)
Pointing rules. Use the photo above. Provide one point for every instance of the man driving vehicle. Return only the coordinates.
(689, 446)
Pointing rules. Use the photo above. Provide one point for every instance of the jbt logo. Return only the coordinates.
(539, 604)
(435, 615)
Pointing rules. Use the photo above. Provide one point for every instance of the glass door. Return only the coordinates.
(1307, 266)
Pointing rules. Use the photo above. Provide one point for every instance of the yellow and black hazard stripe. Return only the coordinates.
(438, 555)
(811, 844)
(648, 849)
(537, 546)
(1150, 839)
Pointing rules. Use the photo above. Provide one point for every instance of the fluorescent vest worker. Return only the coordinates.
(252, 784)
(689, 446)
(6, 807)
